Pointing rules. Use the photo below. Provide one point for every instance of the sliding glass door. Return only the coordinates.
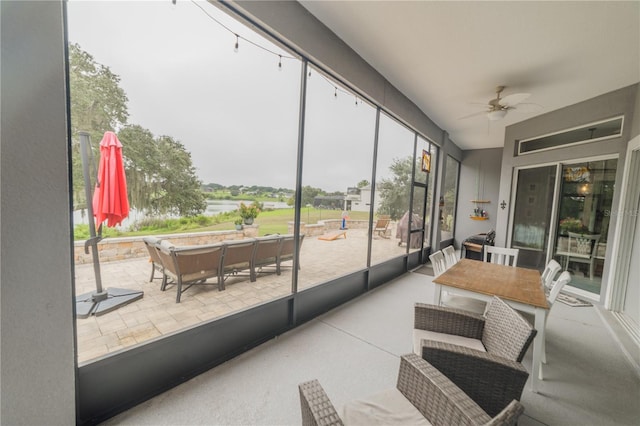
(562, 211)
(584, 213)
(532, 215)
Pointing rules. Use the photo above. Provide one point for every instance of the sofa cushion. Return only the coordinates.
(389, 407)
(419, 335)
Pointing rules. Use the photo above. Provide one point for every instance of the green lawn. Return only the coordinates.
(276, 221)
(270, 222)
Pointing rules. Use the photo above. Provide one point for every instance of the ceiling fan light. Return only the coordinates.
(496, 115)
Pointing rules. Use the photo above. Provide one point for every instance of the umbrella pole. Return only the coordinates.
(94, 238)
(101, 301)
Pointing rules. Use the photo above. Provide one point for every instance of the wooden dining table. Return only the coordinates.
(521, 288)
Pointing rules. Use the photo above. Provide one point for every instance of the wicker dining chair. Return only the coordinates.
(480, 354)
(422, 395)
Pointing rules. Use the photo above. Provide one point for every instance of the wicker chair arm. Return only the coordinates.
(316, 407)
(446, 320)
(438, 399)
(491, 381)
(508, 416)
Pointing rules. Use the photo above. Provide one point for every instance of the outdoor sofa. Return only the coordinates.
(185, 266)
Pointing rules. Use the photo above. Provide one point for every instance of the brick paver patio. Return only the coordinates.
(157, 313)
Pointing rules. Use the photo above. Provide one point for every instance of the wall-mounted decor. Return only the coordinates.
(426, 161)
(479, 213)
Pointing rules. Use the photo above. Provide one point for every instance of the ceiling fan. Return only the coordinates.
(498, 107)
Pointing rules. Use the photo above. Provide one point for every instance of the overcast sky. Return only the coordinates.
(237, 113)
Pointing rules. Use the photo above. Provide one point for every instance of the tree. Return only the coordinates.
(161, 178)
(160, 174)
(179, 182)
(363, 183)
(142, 162)
(394, 192)
(309, 193)
(98, 104)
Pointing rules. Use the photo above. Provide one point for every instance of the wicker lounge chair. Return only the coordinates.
(422, 395)
(237, 257)
(266, 254)
(190, 265)
(286, 250)
(480, 354)
(151, 244)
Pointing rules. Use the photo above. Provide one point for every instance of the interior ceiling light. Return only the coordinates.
(497, 114)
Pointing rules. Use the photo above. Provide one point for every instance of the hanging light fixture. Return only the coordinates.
(497, 114)
(584, 189)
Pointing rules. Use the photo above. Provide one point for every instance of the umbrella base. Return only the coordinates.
(101, 303)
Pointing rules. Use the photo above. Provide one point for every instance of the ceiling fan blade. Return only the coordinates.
(512, 100)
(528, 107)
(475, 114)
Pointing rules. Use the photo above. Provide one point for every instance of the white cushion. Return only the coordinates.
(389, 407)
(419, 335)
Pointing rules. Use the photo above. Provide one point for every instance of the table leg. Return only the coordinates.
(536, 374)
(437, 294)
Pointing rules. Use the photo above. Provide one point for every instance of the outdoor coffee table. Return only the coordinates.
(521, 288)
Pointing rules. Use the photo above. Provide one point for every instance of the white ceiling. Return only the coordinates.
(447, 55)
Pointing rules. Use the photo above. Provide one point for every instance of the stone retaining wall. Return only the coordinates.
(324, 226)
(111, 249)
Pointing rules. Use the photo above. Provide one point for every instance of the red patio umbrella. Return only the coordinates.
(110, 201)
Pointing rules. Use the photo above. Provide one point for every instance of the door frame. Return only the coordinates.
(624, 233)
(612, 242)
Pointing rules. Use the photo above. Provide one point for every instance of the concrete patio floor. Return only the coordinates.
(354, 352)
(158, 314)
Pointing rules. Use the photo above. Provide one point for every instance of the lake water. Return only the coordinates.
(214, 207)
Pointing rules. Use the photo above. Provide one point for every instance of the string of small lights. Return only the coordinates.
(280, 56)
(236, 47)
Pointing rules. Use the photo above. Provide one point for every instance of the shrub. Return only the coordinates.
(249, 212)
